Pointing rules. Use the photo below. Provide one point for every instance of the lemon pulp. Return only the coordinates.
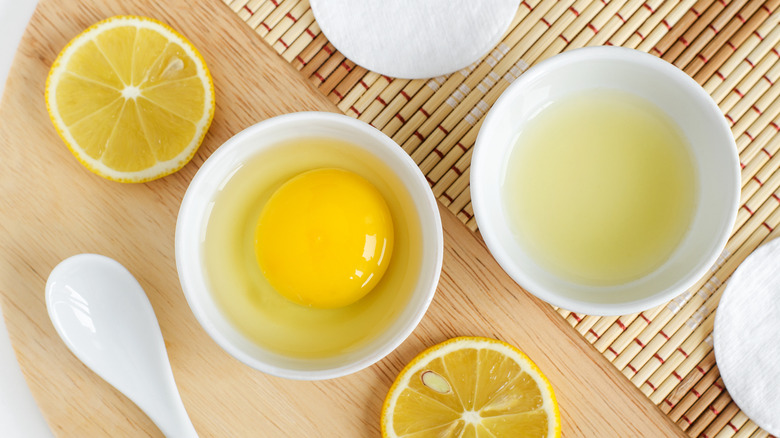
(471, 387)
(325, 238)
(131, 98)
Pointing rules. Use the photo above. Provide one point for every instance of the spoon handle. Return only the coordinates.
(164, 407)
(172, 419)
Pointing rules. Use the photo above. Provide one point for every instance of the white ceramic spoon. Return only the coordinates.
(103, 315)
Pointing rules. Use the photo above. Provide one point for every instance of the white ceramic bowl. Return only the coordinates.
(253, 142)
(714, 154)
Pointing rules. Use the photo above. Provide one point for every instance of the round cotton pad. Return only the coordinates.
(414, 39)
(747, 329)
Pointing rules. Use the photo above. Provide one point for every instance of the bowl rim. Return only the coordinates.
(188, 265)
(479, 165)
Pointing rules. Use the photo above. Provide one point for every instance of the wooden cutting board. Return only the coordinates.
(52, 208)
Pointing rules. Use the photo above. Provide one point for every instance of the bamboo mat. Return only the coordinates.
(732, 48)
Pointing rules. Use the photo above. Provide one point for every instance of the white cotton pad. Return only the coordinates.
(414, 39)
(747, 337)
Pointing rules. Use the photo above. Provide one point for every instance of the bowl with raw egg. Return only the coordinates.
(309, 245)
(605, 181)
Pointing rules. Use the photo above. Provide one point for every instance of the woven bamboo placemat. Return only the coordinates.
(732, 48)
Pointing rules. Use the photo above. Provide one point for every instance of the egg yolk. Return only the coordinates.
(325, 238)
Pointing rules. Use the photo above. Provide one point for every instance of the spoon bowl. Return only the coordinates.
(104, 317)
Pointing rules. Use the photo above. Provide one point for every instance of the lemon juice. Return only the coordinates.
(243, 292)
(600, 187)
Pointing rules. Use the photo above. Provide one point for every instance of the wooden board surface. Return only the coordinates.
(52, 208)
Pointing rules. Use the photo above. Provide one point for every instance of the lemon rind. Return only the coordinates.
(161, 168)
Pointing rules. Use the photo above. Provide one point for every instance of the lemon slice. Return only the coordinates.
(131, 98)
(471, 387)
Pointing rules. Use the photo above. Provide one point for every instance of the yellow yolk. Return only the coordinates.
(325, 238)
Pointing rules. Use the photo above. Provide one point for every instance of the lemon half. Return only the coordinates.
(131, 98)
(471, 387)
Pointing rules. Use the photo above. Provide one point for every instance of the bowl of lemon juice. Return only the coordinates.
(605, 181)
(309, 245)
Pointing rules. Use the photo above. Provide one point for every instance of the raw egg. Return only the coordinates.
(324, 238)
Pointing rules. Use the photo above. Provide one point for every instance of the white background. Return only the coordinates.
(19, 415)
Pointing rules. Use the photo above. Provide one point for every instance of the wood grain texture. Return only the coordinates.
(52, 208)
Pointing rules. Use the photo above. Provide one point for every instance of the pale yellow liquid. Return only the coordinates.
(600, 187)
(244, 295)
